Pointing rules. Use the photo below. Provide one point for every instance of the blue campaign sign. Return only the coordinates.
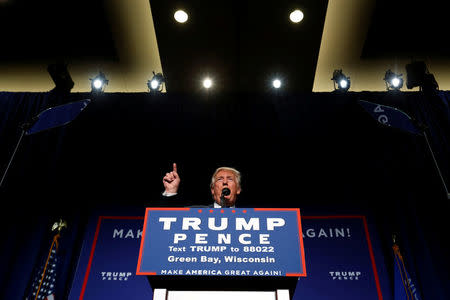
(340, 256)
(107, 263)
(222, 242)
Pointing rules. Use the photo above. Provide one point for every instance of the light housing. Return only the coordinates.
(417, 75)
(393, 81)
(61, 77)
(155, 84)
(341, 82)
(98, 83)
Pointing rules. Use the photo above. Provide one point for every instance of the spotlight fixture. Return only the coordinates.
(341, 82)
(156, 83)
(393, 81)
(296, 16)
(417, 75)
(98, 83)
(276, 83)
(180, 16)
(61, 77)
(207, 83)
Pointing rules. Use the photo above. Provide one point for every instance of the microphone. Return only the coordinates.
(225, 192)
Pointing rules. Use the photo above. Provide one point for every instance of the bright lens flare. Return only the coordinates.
(296, 16)
(343, 83)
(98, 83)
(276, 83)
(395, 82)
(154, 84)
(207, 83)
(180, 16)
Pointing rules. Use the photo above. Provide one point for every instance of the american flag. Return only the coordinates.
(43, 285)
(404, 288)
(44, 278)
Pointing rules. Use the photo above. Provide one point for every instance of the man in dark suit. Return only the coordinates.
(225, 185)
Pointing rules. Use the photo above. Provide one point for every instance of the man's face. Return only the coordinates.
(223, 179)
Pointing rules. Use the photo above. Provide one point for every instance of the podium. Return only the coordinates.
(222, 287)
(228, 253)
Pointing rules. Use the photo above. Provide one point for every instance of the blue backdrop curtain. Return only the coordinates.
(305, 150)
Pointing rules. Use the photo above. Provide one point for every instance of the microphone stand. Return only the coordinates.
(222, 200)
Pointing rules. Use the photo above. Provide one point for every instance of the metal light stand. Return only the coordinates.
(436, 164)
(24, 127)
(50, 118)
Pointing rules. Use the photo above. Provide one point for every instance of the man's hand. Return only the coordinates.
(172, 181)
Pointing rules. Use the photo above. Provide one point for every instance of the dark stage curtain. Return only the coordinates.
(312, 150)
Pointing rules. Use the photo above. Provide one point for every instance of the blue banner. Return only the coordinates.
(108, 260)
(222, 242)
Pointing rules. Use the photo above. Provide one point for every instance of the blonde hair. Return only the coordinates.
(235, 172)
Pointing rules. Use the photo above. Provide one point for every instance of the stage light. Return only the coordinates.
(180, 16)
(276, 83)
(397, 82)
(98, 83)
(61, 77)
(207, 83)
(393, 81)
(341, 82)
(417, 75)
(156, 83)
(296, 16)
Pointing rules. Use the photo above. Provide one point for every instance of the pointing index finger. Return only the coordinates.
(175, 167)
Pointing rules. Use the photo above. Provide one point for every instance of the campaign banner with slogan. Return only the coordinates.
(343, 259)
(222, 242)
(107, 264)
